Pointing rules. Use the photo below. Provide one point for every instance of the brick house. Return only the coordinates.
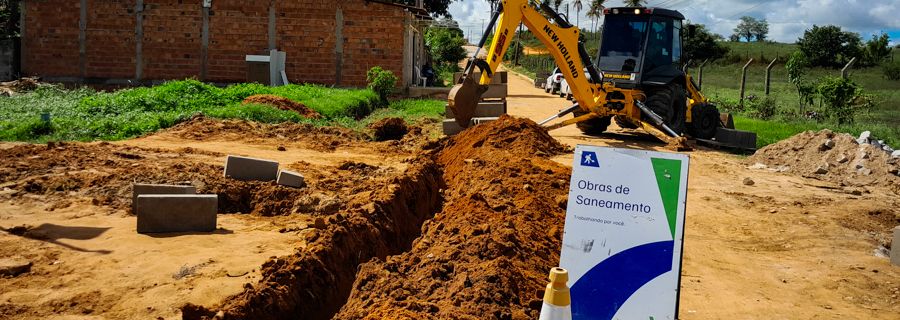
(148, 41)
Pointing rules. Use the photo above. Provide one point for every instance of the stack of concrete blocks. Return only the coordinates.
(172, 208)
(250, 169)
(492, 104)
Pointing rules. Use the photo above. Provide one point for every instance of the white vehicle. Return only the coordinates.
(565, 91)
(553, 82)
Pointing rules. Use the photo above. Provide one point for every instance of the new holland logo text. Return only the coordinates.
(500, 42)
(563, 50)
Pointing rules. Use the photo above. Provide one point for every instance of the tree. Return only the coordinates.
(876, 50)
(493, 4)
(9, 19)
(578, 6)
(438, 8)
(761, 30)
(796, 68)
(445, 46)
(702, 45)
(747, 28)
(635, 3)
(734, 38)
(829, 46)
(595, 11)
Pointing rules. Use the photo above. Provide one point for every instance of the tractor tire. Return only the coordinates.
(624, 124)
(705, 121)
(592, 127)
(670, 103)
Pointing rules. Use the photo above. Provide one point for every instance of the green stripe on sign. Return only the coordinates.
(668, 177)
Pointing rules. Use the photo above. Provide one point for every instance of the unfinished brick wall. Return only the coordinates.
(51, 38)
(109, 39)
(306, 31)
(172, 39)
(236, 28)
(373, 37)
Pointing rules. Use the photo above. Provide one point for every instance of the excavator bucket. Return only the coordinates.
(464, 98)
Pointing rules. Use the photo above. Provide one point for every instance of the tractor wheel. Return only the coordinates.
(624, 124)
(706, 121)
(592, 127)
(670, 103)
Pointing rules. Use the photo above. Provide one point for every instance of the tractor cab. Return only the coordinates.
(640, 46)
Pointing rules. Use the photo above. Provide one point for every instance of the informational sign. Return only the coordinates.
(624, 233)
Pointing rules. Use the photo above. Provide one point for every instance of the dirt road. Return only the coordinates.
(785, 248)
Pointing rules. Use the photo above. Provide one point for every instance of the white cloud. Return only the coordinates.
(788, 19)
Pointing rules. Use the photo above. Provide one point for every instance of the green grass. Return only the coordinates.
(411, 110)
(84, 115)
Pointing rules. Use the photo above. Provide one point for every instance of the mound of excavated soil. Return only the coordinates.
(389, 129)
(283, 104)
(487, 253)
(830, 156)
(484, 254)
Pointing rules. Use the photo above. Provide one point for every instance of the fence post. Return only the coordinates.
(700, 75)
(769, 75)
(844, 71)
(744, 79)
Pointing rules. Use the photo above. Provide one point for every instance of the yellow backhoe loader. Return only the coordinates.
(637, 80)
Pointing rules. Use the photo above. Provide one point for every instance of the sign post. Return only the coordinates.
(624, 232)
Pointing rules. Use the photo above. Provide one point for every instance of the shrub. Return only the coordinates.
(891, 70)
(381, 81)
(762, 108)
(841, 97)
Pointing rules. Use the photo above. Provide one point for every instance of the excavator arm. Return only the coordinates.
(559, 36)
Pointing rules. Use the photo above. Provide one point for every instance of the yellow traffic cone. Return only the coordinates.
(557, 303)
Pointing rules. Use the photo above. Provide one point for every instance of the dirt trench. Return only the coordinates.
(469, 230)
(314, 282)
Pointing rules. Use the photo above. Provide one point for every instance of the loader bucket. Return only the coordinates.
(464, 98)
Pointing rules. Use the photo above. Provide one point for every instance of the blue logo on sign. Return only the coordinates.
(589, 159)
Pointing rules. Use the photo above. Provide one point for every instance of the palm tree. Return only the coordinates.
(595, 11)
(635, 3)
(493, 4)
(578, 6)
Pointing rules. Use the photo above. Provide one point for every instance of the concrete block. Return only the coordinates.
(498, 78)
(485, 109)
(477, 121)
(496, 91)
(451, 128)
(243, 168)
(176, 213)
(141, 189)
(291, 179)
(895, 248)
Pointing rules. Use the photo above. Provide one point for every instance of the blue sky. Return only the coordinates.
(787, 18)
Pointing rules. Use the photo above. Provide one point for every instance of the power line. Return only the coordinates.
(762, 2)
